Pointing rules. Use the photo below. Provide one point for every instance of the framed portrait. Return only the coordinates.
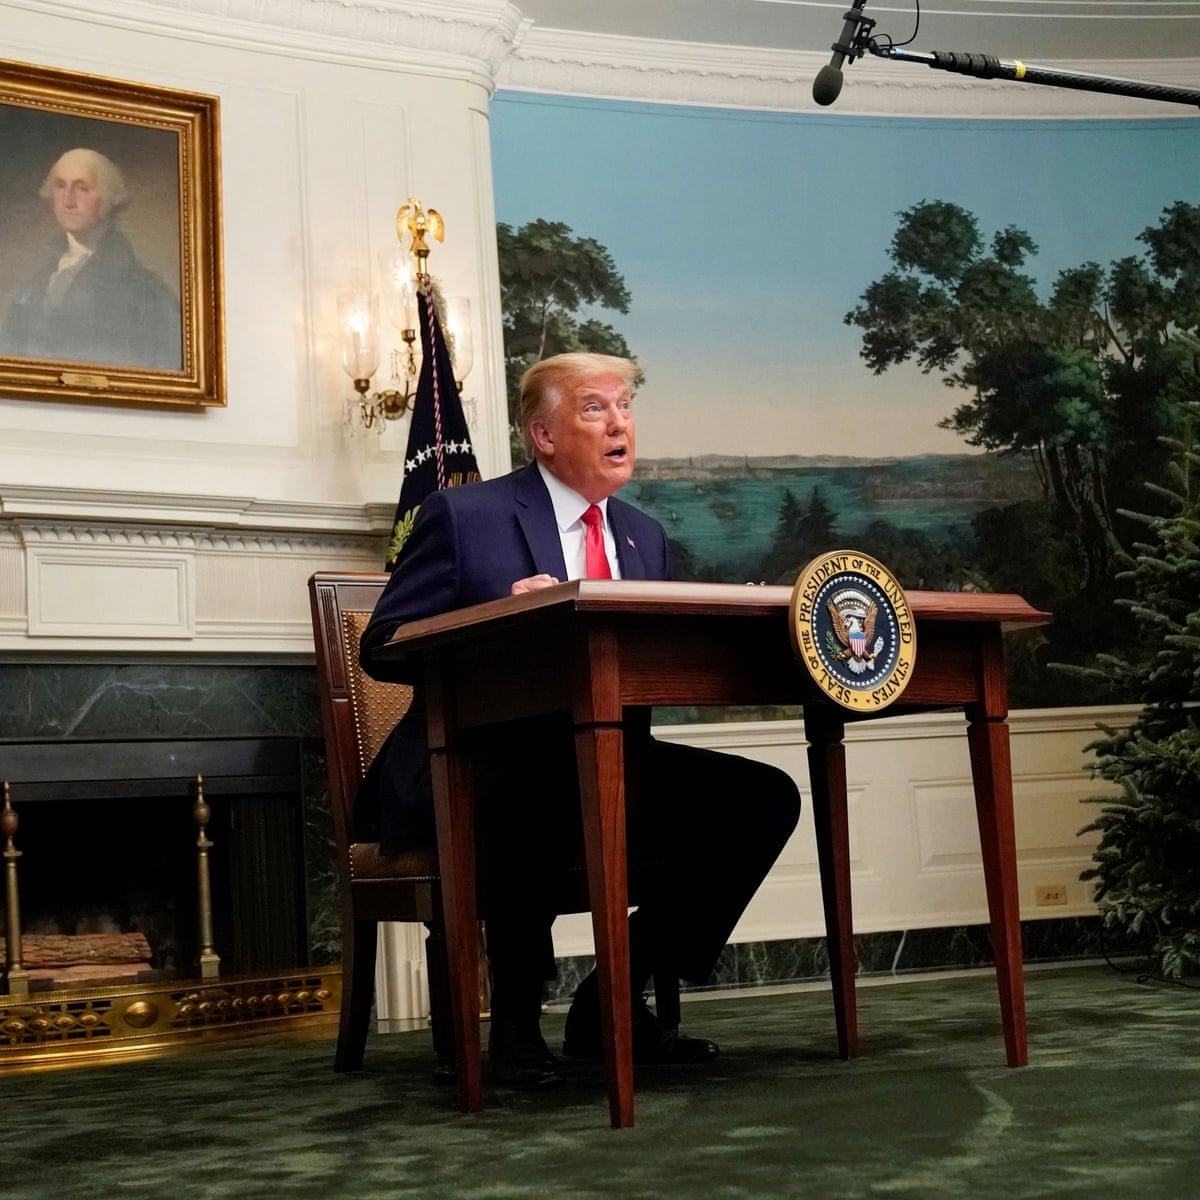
(110, 237)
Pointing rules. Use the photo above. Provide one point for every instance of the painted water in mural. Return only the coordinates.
(725, 512)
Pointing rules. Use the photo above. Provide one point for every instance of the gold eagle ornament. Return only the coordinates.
(419, 223)
(856, 635)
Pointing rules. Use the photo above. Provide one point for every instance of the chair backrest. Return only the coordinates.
(357, 712)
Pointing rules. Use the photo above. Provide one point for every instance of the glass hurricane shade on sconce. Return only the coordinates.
(458, 337)
(358, 316)
(398, 283)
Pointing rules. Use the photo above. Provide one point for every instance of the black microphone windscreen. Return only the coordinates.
(828, 85)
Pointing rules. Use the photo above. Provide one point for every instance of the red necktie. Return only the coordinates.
(597, 559)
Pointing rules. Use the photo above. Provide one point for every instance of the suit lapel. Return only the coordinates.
(535, 515)
(629, 557)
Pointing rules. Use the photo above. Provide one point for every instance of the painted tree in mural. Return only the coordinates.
(802, 532)
(1075, 381)
(550, 281)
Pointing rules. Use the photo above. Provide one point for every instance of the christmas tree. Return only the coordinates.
(1147, 863)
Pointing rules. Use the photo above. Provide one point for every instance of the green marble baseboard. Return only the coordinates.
(802, 960)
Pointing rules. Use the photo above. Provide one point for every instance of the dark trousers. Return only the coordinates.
(707, 825)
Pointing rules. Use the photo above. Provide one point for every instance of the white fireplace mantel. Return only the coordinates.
(120, 572)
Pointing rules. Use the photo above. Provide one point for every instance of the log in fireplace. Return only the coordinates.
(155, 891)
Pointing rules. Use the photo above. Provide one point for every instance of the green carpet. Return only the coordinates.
(1108, 1107)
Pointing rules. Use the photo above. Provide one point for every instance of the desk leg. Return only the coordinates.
(991, 769)
(455, 808)
(827, 776)
(600, 753)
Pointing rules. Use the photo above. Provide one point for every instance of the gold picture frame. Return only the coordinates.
(110, 233)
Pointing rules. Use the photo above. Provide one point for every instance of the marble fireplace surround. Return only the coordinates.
(138, 839)
(202, 704)
(127, 731)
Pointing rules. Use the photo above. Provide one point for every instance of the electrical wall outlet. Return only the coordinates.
(1050, 893)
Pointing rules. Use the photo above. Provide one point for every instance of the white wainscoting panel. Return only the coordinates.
(100, 592)
(914, 841)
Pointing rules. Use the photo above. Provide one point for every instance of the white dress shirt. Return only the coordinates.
(569, 507)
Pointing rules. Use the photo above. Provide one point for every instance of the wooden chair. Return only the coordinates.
(357, 714)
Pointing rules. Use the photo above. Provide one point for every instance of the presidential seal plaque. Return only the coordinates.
(852, 628)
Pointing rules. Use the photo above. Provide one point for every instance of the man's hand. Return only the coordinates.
(533, 583)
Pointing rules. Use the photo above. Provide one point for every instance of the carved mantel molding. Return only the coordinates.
(132, 573)
(28, 505)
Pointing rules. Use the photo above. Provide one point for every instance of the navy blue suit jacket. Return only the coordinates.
(469, 544)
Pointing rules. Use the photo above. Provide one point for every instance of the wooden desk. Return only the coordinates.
(596, 647)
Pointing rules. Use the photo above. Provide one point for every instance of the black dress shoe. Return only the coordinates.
(653, 1042)
(444, 1070)
(522, 1062)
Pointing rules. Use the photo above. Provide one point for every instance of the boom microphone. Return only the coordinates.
(828, 84)
(984, 66)
(856, 40)
(850, 45)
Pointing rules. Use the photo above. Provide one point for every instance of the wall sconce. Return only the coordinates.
(403, 272)
(358, 318)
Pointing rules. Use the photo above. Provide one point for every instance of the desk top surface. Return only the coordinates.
(636, 597)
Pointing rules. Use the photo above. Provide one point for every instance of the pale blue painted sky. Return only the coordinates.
(744, 238)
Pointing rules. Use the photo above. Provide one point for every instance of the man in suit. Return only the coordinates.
(90, 300)
(713, 823)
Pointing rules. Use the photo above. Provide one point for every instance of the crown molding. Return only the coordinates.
(667, 72)
(463, 39)
(491, 44)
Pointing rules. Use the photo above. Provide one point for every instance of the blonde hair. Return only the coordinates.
(543, 385)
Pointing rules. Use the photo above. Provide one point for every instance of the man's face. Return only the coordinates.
(76, 196)
(587, 440)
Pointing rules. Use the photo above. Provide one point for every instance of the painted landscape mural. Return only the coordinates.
(951, 344)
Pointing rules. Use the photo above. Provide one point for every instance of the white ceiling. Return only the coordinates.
(1032, 30)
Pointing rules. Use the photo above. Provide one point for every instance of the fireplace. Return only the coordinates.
(162, 891)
